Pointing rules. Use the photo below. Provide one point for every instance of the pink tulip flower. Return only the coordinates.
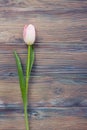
(29, 34)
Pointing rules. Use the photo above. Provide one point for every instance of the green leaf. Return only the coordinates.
(21, 77)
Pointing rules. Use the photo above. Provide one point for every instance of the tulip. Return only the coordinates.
(29, 34)
(29, 38)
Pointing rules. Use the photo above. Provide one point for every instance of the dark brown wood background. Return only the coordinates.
(58, 84)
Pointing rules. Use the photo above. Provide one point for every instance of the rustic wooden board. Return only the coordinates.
(62, 57)
(45, 118)
(59, 20)
(46, 91)
(58, 84)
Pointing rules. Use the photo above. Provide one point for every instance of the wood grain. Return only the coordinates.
(62, 57)
(55, 21)
(60, 72)
(45, 118)
(46, 91)
(58, 84)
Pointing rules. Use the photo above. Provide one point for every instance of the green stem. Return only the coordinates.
(26, 118)
(27, 79)
(28, 69)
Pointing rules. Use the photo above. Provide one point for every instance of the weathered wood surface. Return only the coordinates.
(45, 119)
(58, 85)
(59, 20)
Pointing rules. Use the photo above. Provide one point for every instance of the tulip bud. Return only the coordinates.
(29, 34)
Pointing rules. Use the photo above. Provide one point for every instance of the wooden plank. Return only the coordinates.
(62, 21)
(46, 4)
(49, 47)
(45, 118)
(52, 58)
(47, 91)
(47, 31)
(57, 58)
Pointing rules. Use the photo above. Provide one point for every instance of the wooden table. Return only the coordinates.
(58, 84)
